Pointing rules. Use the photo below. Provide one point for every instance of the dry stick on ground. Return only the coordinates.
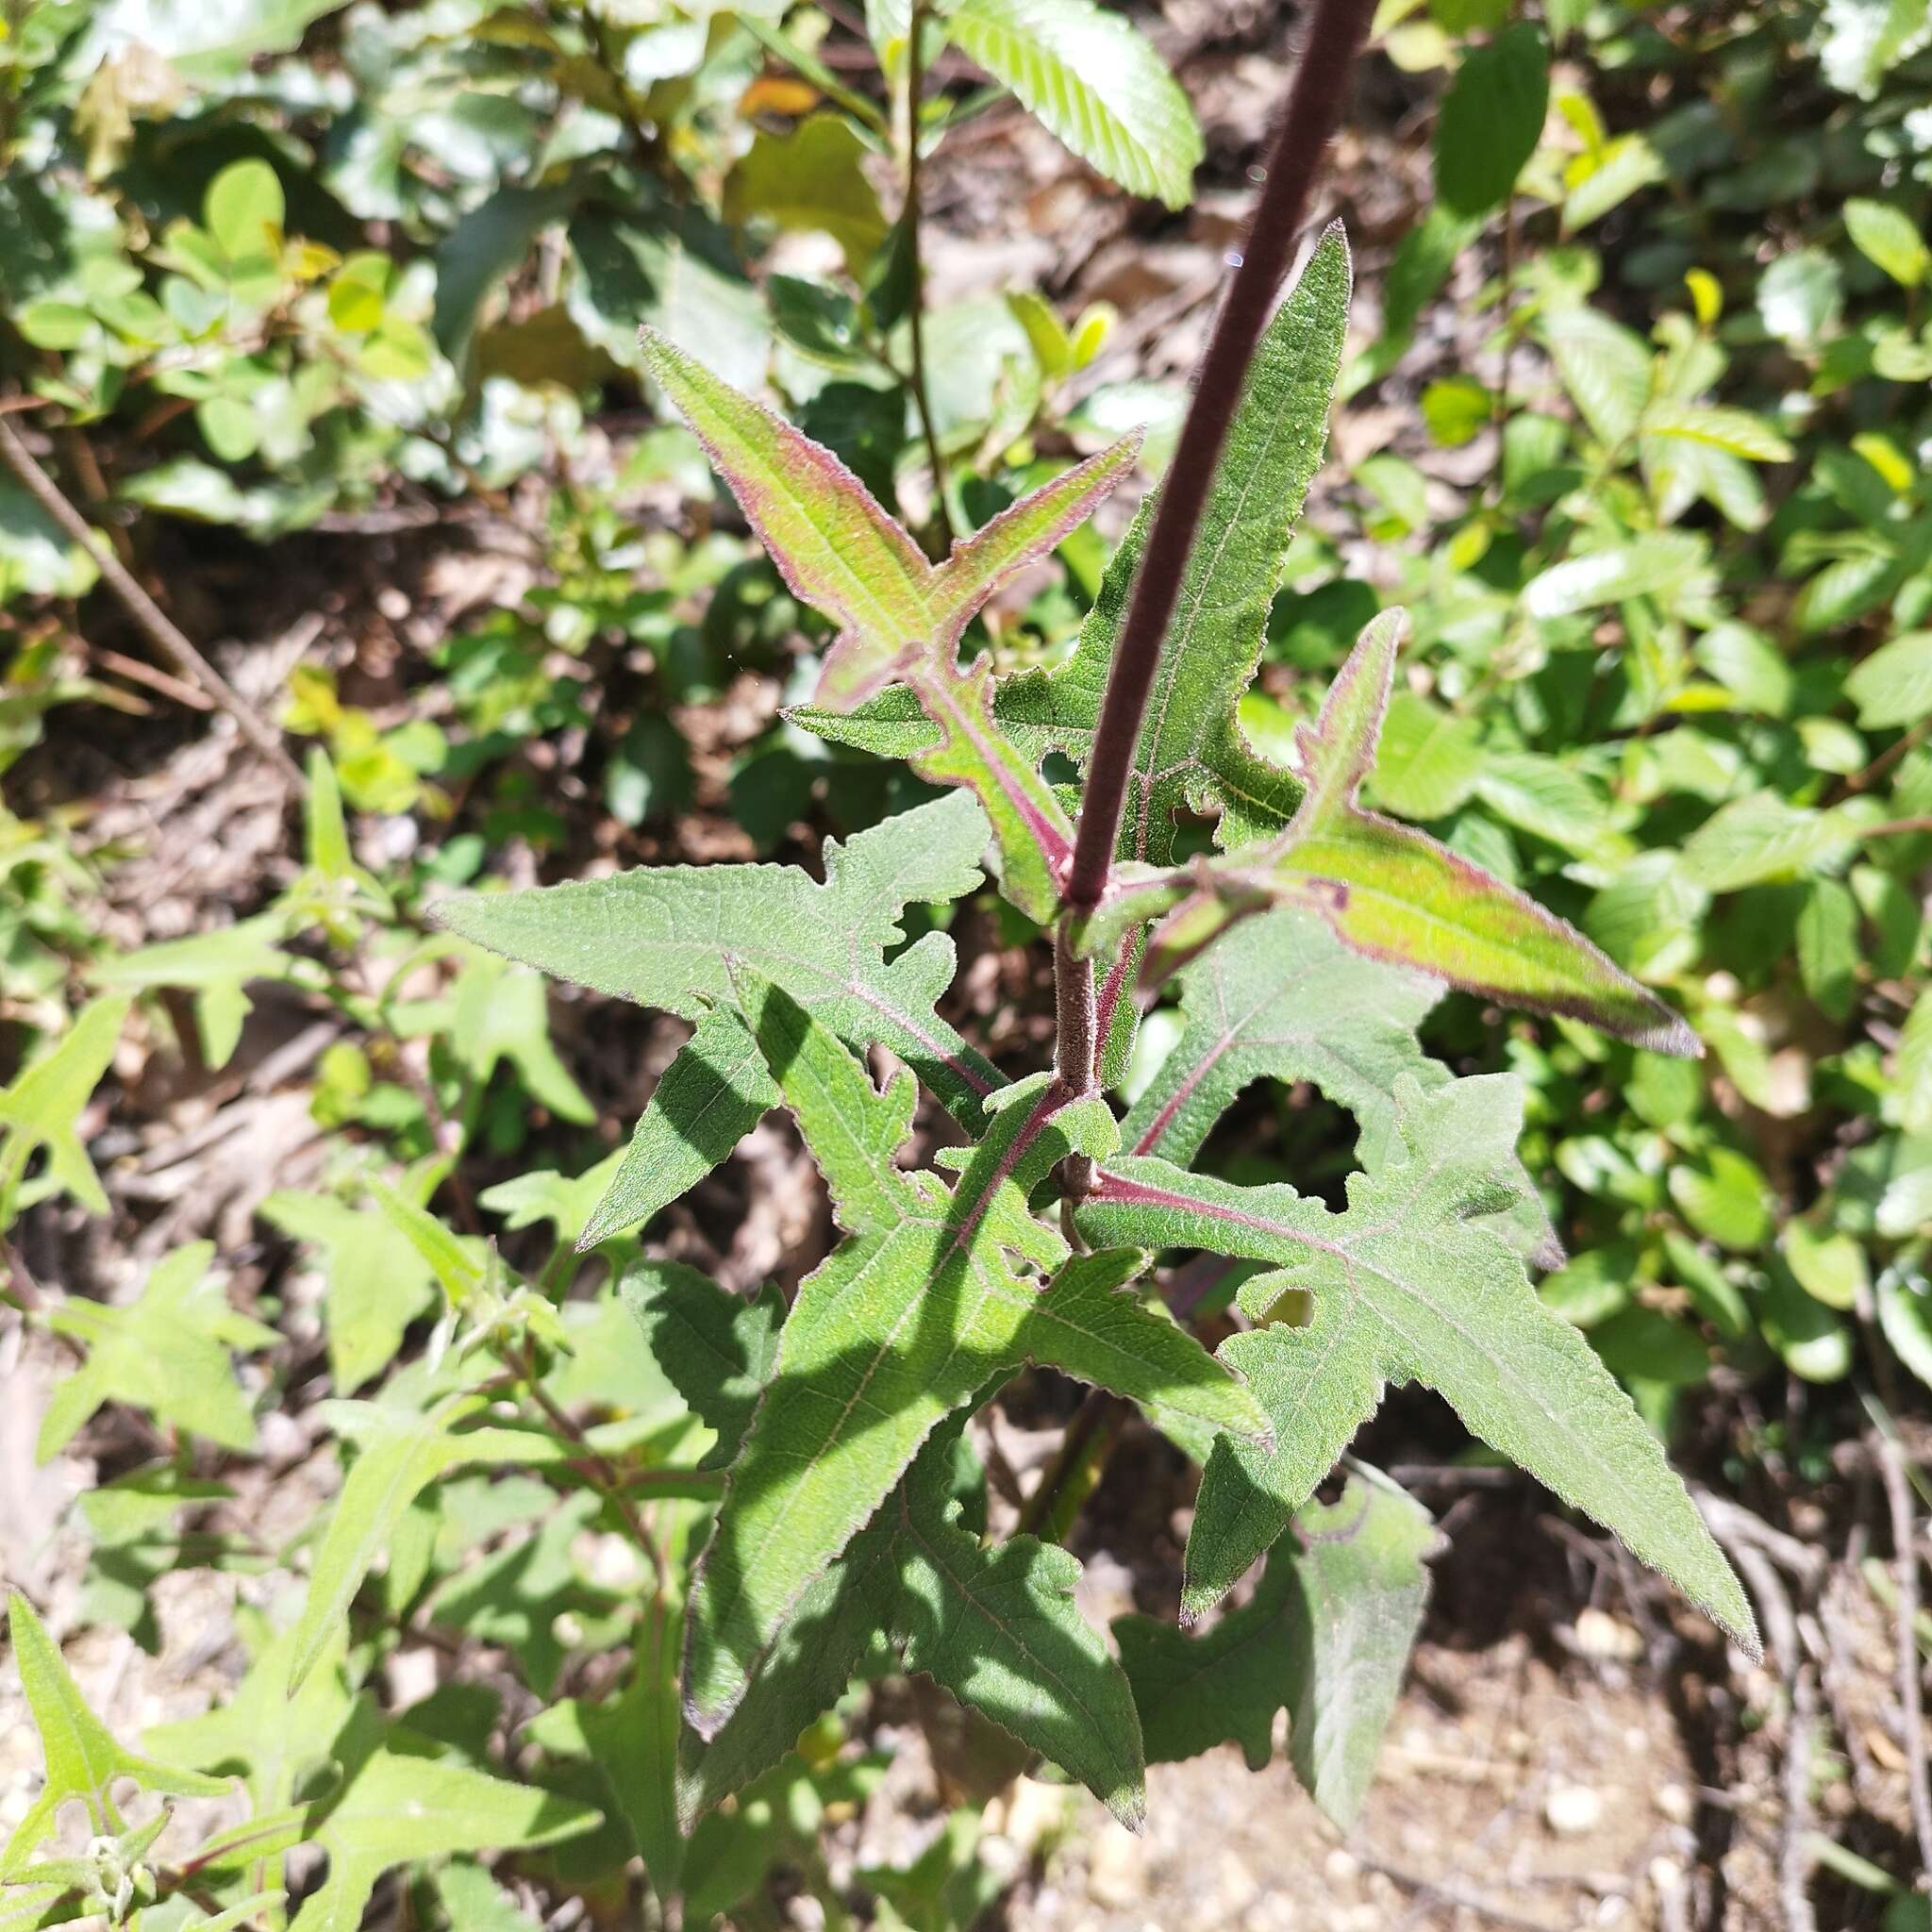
(1898, 1495)
(1747, 1550)
(161, 628)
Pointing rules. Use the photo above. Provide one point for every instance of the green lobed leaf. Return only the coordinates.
(44, 1106)
(1421, 1290)
(996, 1627)
(400, 1802)
(273, 1737)
(1396, 895)
(378, 1283)
(660, 936)
(166, 1352)
(901, 619)
(1093, 81)
(1193, 756)
(1281, 997)
(903, 1323)
(1327, 1634)
(82, 1760)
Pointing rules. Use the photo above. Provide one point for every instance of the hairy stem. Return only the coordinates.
(1076, 1044)
(921, 398)
(1337, 30)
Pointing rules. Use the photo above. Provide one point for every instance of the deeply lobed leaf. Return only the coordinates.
(1396, 895)
(661, 937)
(1409, 1284)
(900, 618)
(904, 1322)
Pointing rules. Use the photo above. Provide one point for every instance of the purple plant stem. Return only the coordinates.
(1336, 31)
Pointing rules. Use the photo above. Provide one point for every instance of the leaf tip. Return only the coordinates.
(1671, 1034)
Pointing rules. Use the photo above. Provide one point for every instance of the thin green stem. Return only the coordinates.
(597, 1467)
(922, 396)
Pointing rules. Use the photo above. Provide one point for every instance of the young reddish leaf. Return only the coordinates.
(900, 618)
(838, 551)
(1396, 895)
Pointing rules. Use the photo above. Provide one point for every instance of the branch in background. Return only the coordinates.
(1336, 32)
(160, 629)
(921, 399)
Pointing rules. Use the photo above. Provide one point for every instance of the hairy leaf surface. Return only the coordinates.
(904, 1323)
(1280, 996)
(1419, 1289)
(661, 937)
(1396, 895)
(998, 1628)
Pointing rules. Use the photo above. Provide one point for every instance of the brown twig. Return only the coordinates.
(165, 634)
(1314, 103)
(1898, 1496)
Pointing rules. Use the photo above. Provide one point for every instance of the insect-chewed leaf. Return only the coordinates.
(1327, 1634)
(903, 1323)
(1396, 895)
(1419, 1290)
(660, 936)
(996, 1627)
(899, 617)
